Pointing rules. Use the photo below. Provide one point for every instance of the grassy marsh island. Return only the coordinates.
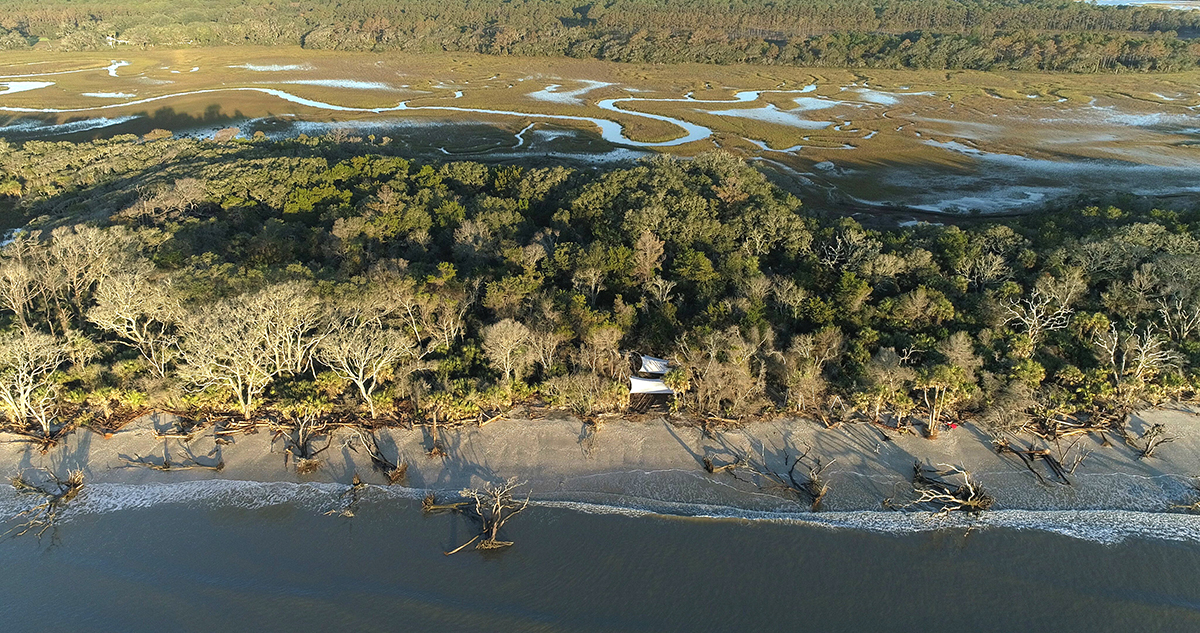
(872, 139)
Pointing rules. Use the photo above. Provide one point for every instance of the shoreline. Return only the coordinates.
(656, 467)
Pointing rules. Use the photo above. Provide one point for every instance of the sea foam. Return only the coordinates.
(1102, 526)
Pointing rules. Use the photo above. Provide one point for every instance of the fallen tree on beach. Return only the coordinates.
(1194, 506)
(1151, 439)
(298, 441)
(1061, 465)
(490, 507)
(395, 473)
(55, 493)
(189, 461)
(798, 475)
(349, 499)
(944, 490)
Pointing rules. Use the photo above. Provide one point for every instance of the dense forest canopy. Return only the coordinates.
(972, 34)
(331, 273)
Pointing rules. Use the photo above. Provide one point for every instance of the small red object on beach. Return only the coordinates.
(953, 425)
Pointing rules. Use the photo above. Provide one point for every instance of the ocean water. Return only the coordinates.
(235, 556)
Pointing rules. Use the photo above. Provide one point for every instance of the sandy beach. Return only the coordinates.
(656, 464)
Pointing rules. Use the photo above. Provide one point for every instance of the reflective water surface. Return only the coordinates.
(288, 567)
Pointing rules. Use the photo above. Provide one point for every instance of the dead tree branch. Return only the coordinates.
(1061, 466)
(934, 491)
(298, 441)
(810, 487)
(395, 474)
(55, 493)
(349, 499)
(1151, 439)
(491, 507)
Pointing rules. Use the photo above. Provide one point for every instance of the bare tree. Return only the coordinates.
(1133, 359)
(600, 352)
(1151, 439)
(937, 489)
(1048, 306)
(590, 281)
(544, 344)
(719, 375)
(805, 362)
(81, 256)
(361, 350)
(1180, 317)
(647, 256)
(55, 494)
(660, 290)
(984, 269)
(20, 284)
(142, 313)
(492, 506)
(436, 316)
(293, 319)
(789, 295)
(506, 344)
(27, 360)
(959, 351)
(243, 343)
(755, 289)
(849, 250)
(1131, 299)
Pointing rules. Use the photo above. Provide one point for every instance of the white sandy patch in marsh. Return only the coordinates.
(58, 72)
(553, 94)
(11, 87)
(808, 104)
(349, 84)
(112, 67)
(50, 129)
(771, 114)
(272, 68)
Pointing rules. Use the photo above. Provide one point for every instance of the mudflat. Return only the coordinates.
(927, 141)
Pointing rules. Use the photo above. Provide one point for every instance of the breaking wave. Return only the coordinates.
(1101, 526)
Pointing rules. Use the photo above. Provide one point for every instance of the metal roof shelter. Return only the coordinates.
(652, 365)
(649, 386)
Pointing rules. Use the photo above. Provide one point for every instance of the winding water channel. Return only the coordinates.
(990, 156)
(611, 131)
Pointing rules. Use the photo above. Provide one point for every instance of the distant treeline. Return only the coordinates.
(935, 34)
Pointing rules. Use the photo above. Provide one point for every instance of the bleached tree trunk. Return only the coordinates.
(27, 360)
(244, 343)
(359, 349)
(141, 313)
